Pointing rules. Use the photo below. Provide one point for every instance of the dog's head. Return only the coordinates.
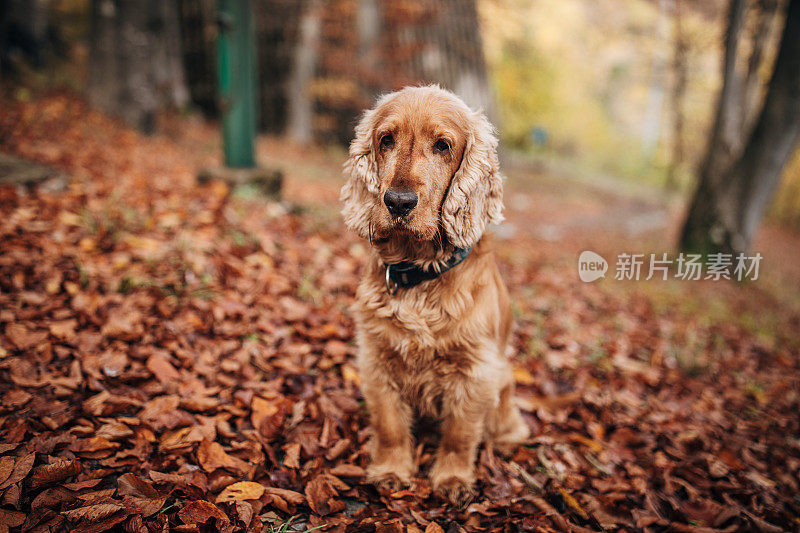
(422, 162)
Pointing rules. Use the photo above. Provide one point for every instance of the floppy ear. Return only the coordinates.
(361, 189)
(475, 198)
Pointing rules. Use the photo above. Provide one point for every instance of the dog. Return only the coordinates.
(432, 314)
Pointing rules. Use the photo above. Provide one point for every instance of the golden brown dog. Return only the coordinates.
(423, 182)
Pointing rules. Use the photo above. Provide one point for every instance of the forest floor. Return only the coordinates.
(180, 357)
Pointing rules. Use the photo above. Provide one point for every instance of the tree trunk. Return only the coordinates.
(137, 101)
(24, 29)
(455, 55)
(104, 68)
(752, 92)
(301, 103)
(653, 112)
(369, 26)
(736, 202)
(135, 59)
(720, 151)
(442, 45)
(680, 68)
(277, 35)
(725, 141)
(168, 54)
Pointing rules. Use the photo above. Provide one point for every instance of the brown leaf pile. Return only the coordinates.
(179, 357)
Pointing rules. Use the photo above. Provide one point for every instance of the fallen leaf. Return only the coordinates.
(295, 498)
(16, 398)
(390, 526)
(64, 329)
(114, 430)
(6, 467)
(200, 512)
(144, 506)
(350, 374)
(523, 377)
(123, 323)
(322, 496)
(131, 485)
(58, 470)
(433, 527)
(211, 456)
(243, 490)
(292, 457)
(23, 338)
(162, 369)
(348, 470)
(105, 524)
(245, 512)
(22, 466)
(262, 409)
(573, 503)
(11, 519)
(93, 444)
(79, 485)
(93, 512)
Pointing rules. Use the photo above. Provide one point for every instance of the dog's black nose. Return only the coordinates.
(400, 202)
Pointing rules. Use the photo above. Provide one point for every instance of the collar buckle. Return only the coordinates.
(406, 274)
(391, 286)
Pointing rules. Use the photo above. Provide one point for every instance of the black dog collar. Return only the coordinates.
(406, 274)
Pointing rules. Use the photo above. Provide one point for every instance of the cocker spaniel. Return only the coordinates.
(432, 313)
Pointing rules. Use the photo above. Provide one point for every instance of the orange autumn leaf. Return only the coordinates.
(523, 376)
(22, 466)
(94, 512)
(161, 368)
(59, 470)
(243, 490)
(200, 512)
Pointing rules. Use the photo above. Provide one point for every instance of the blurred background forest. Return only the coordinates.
(623, 89)
(176, 351)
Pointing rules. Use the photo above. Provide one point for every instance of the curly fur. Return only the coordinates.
(476, 193)
(475, 196)
(437, 349)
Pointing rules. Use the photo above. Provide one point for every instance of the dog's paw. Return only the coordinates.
(389, 482)
(390, 478)
(458, 491)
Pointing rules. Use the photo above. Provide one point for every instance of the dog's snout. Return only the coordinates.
(400, 202)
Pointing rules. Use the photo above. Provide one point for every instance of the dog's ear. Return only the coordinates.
(475, 197)
(360, 191)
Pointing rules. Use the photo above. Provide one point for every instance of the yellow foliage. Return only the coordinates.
(581, 70)
(786, 206)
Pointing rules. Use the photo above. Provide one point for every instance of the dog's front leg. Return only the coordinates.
(392, 463)
(453, 473)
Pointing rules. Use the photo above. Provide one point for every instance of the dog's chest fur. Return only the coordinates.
(425, 340)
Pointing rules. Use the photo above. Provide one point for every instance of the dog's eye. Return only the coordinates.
(387, 142)
(441, 146)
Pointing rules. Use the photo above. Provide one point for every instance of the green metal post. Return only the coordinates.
(236, 61)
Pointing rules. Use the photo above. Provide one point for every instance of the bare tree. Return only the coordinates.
(730, 202)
